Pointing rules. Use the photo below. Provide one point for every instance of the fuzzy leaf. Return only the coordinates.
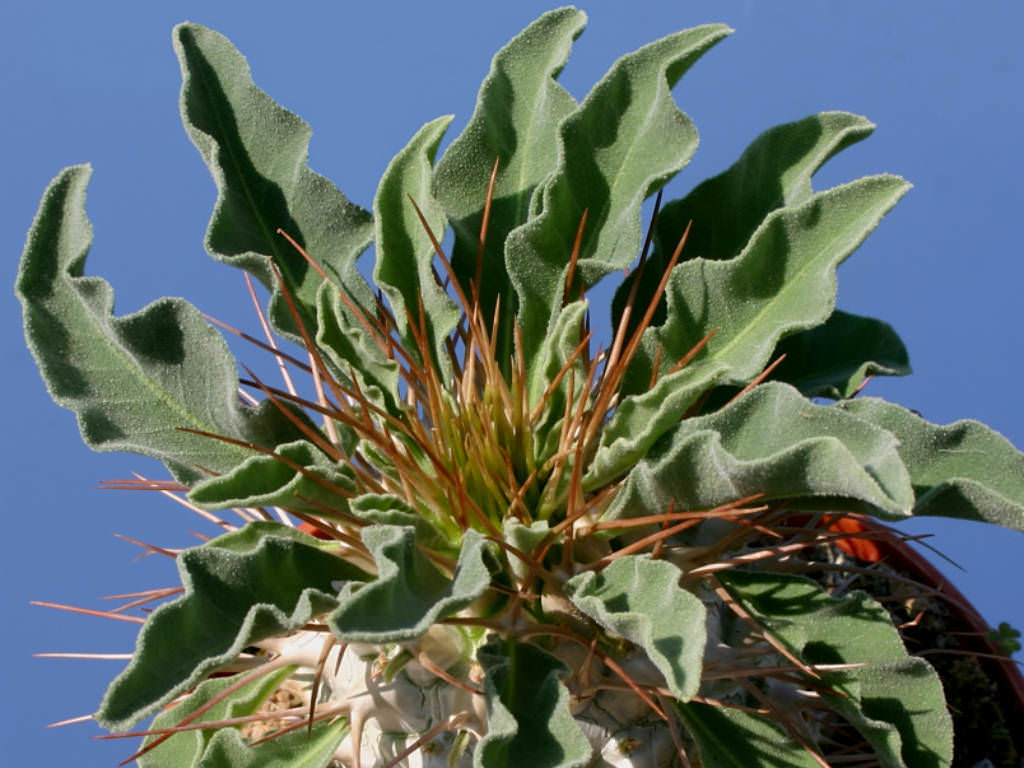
(783, 282)
(404, 267)
(640, 599)
(256, 152)
(410, 593)
(894, 700)
(732, 738)
(775, 442)
(263, 580)
(185, 749)
(134, 380)
(528, 717)
(552, 356)
(964, 469)
(262, 481)
(619, 146)
(293, 750)
(525, 539)
(834, 359)
(518, 111)
(386, 509)
(900, 710)
(773, 172)
(640, 420)
(351, 350)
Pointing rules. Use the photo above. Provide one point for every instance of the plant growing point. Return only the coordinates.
(473, 535)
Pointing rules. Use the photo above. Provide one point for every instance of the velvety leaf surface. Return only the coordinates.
(263, 580)
(899, 708)
(525, 539)
(410, 593)
(640, 599)
(784, 281)
(553, 354)
(266, 481)
(134, 380)
(964, 469)
(185, 749)
(732, 738)
(528, 717)
(256, 152)
(350, 350)
(404, 267)
(775, 442)
(518, 110)
(439, 534)
(834, 359)
(895, 701)
(293, 750)
(773, 172)
(640, 420)
(618, 147)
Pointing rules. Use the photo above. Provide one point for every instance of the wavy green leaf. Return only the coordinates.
(528, 717)
(732, 738)
(133, 381)
(783, 282)
(185, 749)
(404, 268)
(410, 593)
(773, 172)
(256, 152)
(774, 442)
(640, 599)
(834, 359)
(640, 420)
(267, 481)
(525, 539)
(518, 110)
(349, 350)
(964, 469)
(552, 356)
(293, 750)
(437, 533)
(900, 709)
(895, 701)
(263, 580)
(624, 141)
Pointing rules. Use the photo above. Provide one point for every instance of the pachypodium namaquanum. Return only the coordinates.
(471, 533)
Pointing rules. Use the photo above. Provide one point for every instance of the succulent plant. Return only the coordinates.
(474, 535)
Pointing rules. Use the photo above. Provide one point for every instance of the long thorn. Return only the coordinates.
(570, 273)
(484, 221)
(89, 612)
(285, 376)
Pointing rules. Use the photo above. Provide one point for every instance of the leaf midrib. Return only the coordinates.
(798, 278)
(106, 329)
(230, 150)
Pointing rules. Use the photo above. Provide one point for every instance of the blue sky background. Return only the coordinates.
(98, 82)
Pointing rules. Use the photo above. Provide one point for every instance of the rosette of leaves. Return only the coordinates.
(481, 537)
